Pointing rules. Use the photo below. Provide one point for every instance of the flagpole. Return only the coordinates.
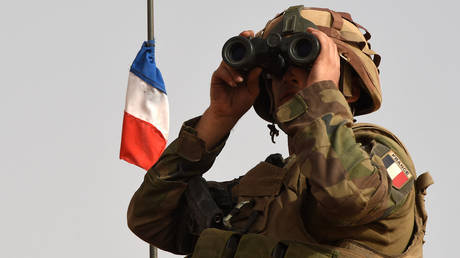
(150, 20)
(153, 251)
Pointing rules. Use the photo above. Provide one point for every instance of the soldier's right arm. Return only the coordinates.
(157, 206)
(154, 208)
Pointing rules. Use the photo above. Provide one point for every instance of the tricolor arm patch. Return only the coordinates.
(398, 173)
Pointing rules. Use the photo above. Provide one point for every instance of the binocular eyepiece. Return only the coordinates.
(273, 54)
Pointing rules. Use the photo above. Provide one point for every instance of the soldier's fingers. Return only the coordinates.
(235, 75)
(328, 46)
(222, 74)
(247, 33)
(323, 39)
(319, 34)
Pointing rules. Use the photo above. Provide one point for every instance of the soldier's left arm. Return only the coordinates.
(157, 211)
(351, 185)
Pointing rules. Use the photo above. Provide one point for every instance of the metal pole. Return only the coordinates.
(150, 36)
(153, 252)
(150, 20)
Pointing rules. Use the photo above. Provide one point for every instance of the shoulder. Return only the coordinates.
(373, 137)
(389, 153)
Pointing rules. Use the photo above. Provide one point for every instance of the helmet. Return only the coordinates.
(358, 62)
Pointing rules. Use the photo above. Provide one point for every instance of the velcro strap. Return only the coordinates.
(369, 51)
(352, 37)
(367, 34)
(337, 21)
(330, 32)
(423, 182)
(377, 58)
(346, 16)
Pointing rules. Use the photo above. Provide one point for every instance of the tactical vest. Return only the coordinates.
(227, 243)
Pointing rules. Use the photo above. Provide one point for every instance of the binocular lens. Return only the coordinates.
(303, 48)
(237, 52)
(272, 54)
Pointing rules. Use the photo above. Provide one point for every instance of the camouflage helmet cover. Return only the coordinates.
(358, 66)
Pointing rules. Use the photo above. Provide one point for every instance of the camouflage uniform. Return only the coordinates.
(334, 190)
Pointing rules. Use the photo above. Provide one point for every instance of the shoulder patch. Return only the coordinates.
(398, 173)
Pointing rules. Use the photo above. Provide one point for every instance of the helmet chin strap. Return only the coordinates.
(268, 88)
(273, 131)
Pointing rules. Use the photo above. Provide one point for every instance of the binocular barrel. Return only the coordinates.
(273, 54)
(240, 52)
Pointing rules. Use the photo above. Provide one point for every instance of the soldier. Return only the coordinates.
(346, 190)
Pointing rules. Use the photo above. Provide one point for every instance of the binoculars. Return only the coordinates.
(273, 54)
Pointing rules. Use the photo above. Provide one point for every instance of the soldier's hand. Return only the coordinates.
(232, 94)
(231, 97)
(327, 64)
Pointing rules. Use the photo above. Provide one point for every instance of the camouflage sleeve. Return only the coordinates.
(350, 186)
(156, 208)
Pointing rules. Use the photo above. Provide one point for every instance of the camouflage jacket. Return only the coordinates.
(340, 183)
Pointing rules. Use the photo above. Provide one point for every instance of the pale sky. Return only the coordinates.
(64, 68)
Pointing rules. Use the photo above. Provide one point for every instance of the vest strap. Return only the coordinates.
(423, 182)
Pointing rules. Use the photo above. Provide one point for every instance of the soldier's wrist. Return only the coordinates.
(218, 117)
(213, 127)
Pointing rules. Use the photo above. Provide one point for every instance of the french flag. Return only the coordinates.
(398, 173)
(146, 117)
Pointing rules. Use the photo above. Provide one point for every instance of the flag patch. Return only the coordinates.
(398, 173)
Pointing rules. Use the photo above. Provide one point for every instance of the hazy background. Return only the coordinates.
(64, 68)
